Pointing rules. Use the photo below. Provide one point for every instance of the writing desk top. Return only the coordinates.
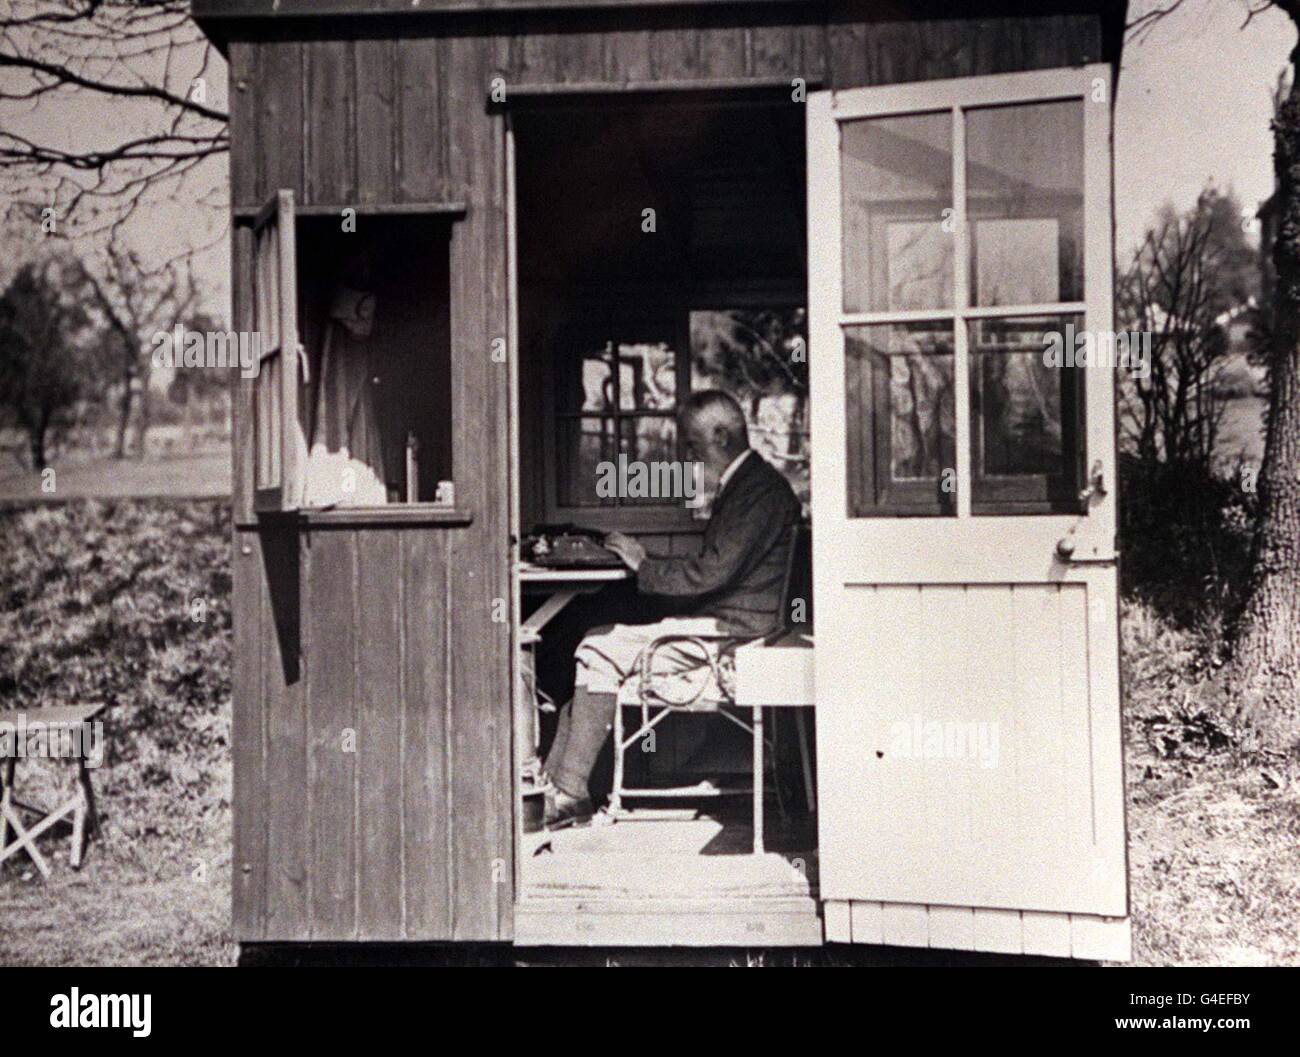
(546, 574)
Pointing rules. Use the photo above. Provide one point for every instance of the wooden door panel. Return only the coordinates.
(966, 775)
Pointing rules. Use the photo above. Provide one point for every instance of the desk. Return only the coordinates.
(561, 586)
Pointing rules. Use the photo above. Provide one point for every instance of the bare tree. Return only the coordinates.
(96, 53)
(134, 304)
(198, 388)
(1189, 274)
(1263, 676)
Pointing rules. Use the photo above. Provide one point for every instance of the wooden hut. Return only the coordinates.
(490, 243)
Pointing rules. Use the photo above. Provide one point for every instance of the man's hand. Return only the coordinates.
(632, 553)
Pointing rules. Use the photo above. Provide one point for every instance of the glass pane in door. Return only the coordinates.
(1024, 203)
(896, 190)
(901, 453)
(1026, 416)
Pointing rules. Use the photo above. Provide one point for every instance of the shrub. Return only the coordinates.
(99, 601)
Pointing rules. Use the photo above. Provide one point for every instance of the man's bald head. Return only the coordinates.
(713, 429)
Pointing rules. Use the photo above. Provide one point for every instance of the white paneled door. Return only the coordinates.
(962, 375)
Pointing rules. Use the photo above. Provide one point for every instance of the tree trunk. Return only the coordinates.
(123, 421)
(1264, 674)
(36, 444)
(142, 427)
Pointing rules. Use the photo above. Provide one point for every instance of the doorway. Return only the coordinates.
(659, 247)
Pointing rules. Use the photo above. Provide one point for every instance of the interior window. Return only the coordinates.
(618, 397)
(759, 356)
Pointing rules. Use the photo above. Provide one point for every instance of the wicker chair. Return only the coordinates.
(704, 684)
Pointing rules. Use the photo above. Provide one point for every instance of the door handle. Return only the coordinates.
(1067, 545)
(1065, 551)
(1096, 484)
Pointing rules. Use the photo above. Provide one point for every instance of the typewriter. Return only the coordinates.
(568, 547)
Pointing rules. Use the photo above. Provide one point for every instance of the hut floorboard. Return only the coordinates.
(680, 858)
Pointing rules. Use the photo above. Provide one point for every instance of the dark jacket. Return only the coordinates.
(738, 575)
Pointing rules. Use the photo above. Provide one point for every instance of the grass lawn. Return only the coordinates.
(94, 604)
(197, 474)
(116, 912)
(1241, 432)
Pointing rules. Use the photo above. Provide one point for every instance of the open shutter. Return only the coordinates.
(968, 721)
(279, 445)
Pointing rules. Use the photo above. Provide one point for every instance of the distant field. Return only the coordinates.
(204, 474)
(181, 462)
(1241, 433)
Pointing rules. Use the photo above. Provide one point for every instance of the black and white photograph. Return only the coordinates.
(650, 483)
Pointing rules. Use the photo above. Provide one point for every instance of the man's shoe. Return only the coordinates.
(564, 811)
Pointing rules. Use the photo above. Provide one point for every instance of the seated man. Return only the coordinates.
(732, 587)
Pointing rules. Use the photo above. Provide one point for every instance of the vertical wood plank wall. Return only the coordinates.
(387, 631)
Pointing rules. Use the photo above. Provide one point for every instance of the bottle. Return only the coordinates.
(412, 468)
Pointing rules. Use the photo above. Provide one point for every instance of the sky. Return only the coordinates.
(1193, 106)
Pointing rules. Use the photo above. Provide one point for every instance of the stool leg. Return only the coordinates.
(6, 800)
(78, 832)
(758, 780)
(83, 815)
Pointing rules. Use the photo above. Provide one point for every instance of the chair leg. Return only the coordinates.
(25, 839)
(758, 780)
(616, 795)
(809, 789)
(775, 762)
